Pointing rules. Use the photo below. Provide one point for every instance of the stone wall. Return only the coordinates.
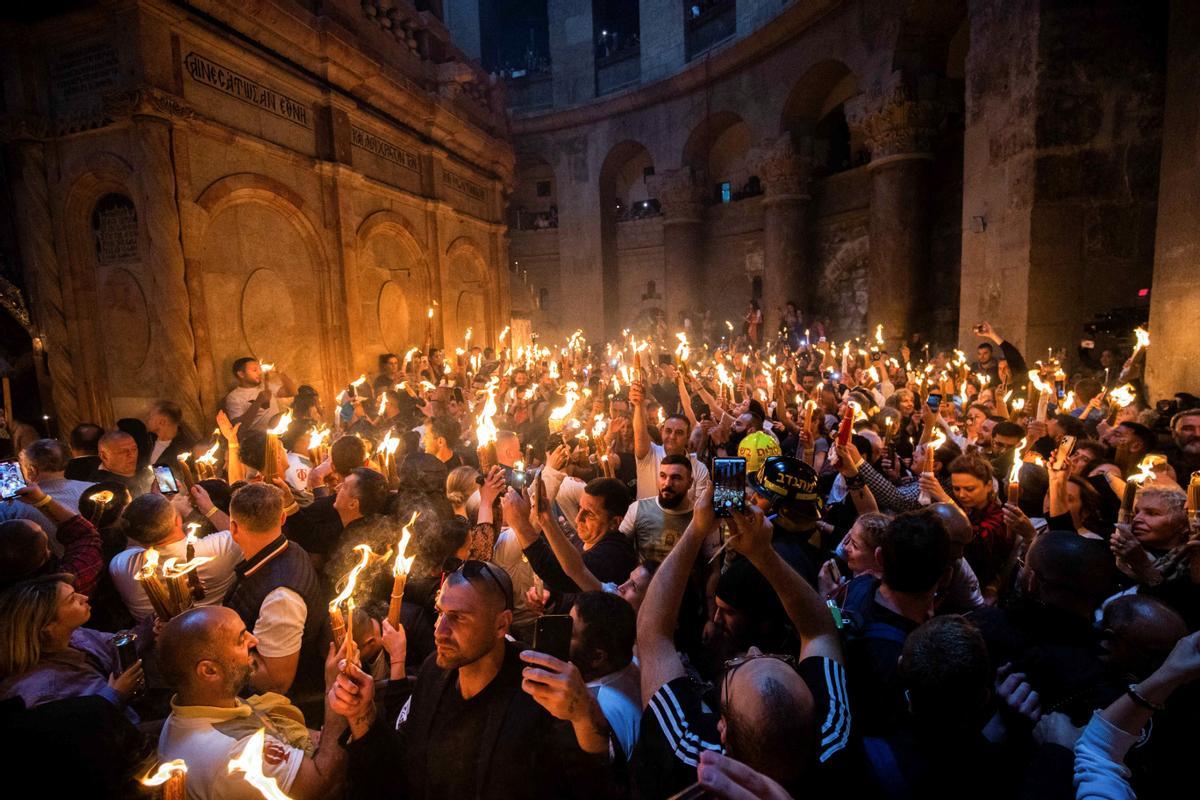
(217, 203)
(1172, 364)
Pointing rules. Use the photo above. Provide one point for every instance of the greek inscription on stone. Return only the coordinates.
(85, 71)
(248, 91)
(114, 226)
(461, 184)
(384, 149)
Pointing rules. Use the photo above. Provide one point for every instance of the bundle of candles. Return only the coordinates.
(172, 777)
(1014, 474)
(274, 452)
(1132, 484)
(485, 429)
(1193, 499)
(205, 469)
(168, 586)
(931, 447)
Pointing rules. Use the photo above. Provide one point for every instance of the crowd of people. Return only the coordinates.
(923, 575)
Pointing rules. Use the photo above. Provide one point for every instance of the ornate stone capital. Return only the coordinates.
(676, 191)
(784, 173)
(895, 122)
(145, 101)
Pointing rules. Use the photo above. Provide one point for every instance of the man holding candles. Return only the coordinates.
(277, 595)
(255, 401)
(485, 718)
(208, 656)
(119, 462)
(152, 521)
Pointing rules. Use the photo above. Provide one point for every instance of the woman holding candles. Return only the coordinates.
(46, 654)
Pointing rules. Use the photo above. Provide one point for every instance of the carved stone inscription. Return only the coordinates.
(115, 228)
(384, 149)
(459, 183)
(247, 90)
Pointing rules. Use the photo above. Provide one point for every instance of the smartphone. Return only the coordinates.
(12, 479)
(543, 505)
(166, 479)
(1063, 452)
(934, 400)
(978, 329)
(515, 478)
(729, 486)
(552, 635)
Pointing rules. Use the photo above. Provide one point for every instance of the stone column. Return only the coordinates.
(785, 180)
(35, 233)
(683, 238)
(898, 131)
(165, 274)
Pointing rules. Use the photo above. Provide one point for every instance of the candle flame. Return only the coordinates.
(249, 762)
(682, 351)
(359, 381)
(102, 498)
(402, 564)
(172, 569)
(570, 399)
(485, 427)
(1145, 472)
(318, 437)
(191, 533)
(1143, 338)
(1018, 404)
(504, 333)
(211, 456)
(1014, 474)
(410, 353)
(729, 325)
(165, 772)
(937, 440)
(149, 565)
(429, 313)
(1123, 395)
(266, 367)
(351, 578)
(281, 426)
(1035, 378)
(467, 335)
(599, 427)
(382, 405)
(879, 335)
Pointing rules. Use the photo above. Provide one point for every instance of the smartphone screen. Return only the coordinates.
(729, 486)
(12, 479)
(552, 635)
(934, 401)
(166, 480)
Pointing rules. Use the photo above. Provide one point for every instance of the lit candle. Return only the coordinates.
(400, 570)
(172, 777)
(337, 622)
(1014, 475)
(272, 450)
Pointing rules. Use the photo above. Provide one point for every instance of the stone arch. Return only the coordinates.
(814, 116)
(88, 288)
(257, 246)
(717, 147)
(466, 292)
(394, 283)
(625, 193)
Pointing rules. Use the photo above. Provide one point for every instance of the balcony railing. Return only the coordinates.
(708, 22)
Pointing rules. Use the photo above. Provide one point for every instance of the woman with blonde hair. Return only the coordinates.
(46, 654)
(462, 484)
(470, 495)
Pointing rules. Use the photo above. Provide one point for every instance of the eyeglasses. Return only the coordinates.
(733, 664)
(472, 569)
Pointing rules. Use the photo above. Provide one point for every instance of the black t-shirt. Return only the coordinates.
(871, 659)
(677, 726)
(458, 730)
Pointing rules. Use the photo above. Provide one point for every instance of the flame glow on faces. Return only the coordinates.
(352, 576)
(402, 564)
(1014, 474)
(1123, 396)
(485, 428)
(165, 772)
(570, 399)
(281, 426)
(249, 762)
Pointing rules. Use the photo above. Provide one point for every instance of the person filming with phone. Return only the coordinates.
(486, 718)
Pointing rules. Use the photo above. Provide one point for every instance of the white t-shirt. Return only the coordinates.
(207, 742)
(238, 401)
(280, 625)
(620, 697)
(297, 478)
(647, 474)
(216, 576)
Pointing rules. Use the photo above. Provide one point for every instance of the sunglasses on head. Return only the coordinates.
(472, 569)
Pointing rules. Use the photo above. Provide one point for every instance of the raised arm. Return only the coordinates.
(659, 614)
(807, 612)
(641, 438)
(234, 471)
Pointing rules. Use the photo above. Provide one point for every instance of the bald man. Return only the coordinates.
(118, 462)
(205, 656)
(1138, 633)
(787, 722)
(959, 591)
